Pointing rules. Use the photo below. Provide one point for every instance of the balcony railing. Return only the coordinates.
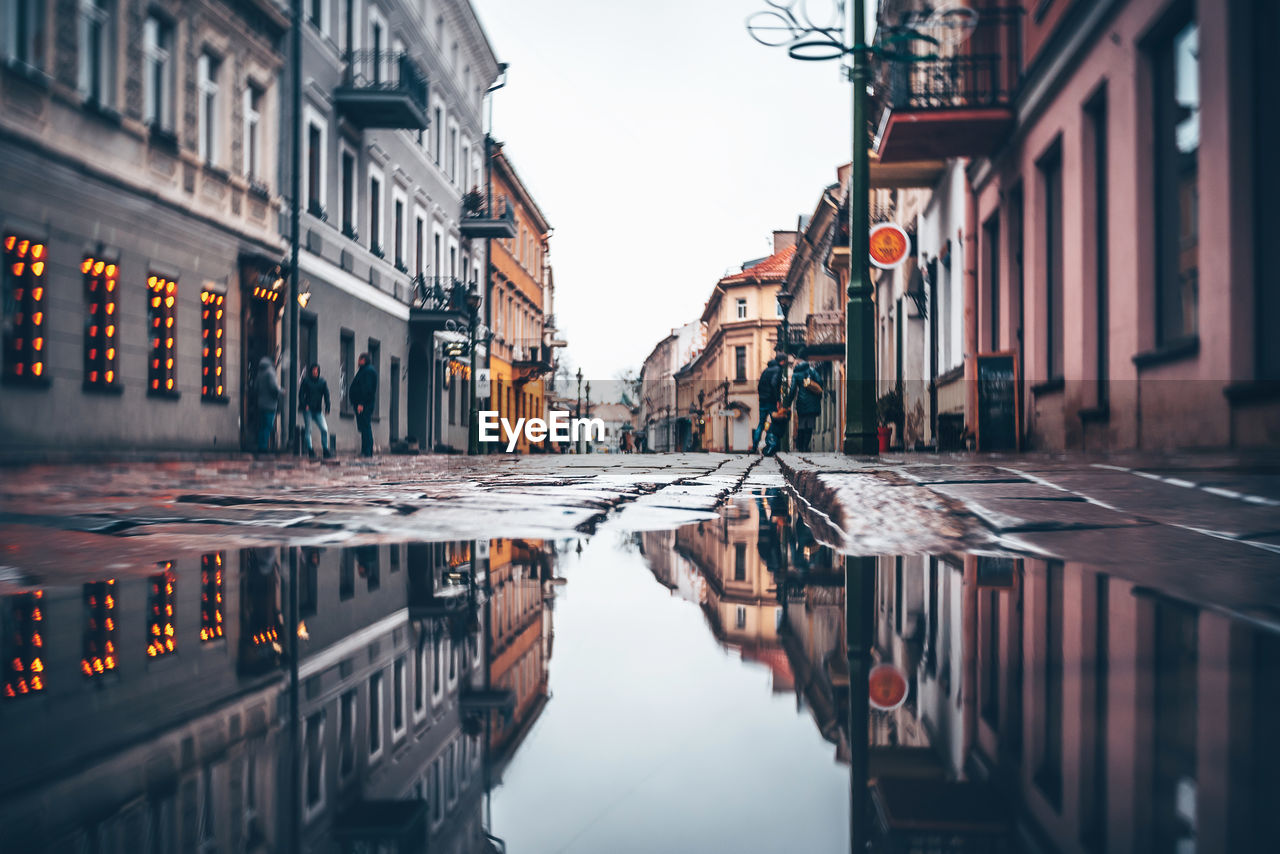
(383, 89)
(824, 328)
(491, 218)
(530, 351)
(957, 84)
(439, 293)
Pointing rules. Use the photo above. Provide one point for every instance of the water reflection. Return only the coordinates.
(204, 708)
(369, 698)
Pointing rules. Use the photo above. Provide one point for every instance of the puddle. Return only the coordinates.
(682, 690)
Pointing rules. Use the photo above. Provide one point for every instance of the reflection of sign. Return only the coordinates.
(888, 244)
(998, 421)
(456, 349)
(482, 384)
(888, 687)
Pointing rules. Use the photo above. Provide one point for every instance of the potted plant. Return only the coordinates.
(889, 407)
(472, 202)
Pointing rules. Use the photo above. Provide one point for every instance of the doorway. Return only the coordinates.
(260, 336)
(394, 407)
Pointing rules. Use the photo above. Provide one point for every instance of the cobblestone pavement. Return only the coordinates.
(1205, 527)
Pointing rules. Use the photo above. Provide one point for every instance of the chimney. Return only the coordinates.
(783, 240)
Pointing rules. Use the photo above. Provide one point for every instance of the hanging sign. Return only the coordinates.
(888, 687)
(889, 245)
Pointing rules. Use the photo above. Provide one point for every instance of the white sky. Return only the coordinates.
(664, 145)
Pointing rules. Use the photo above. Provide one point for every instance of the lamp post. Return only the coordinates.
(587, 432)
(473, 414)
(785, 299)
(790, 27)
(578, 412)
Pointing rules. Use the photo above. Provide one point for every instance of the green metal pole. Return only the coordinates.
(860, 313)
(473, 414)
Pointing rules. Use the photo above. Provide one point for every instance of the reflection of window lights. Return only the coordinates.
(211, 596)
(23, 662)
(100, 629)
(161, 636)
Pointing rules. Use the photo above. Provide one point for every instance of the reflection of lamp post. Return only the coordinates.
(473, 416)
(859, 620)
(780, 27)
(784, 302)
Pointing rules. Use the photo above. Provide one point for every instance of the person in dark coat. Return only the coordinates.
(362, 394)
(313, 403)
(806, 394)
(268, 387)
(769, 391)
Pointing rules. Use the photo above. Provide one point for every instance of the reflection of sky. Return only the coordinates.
(1186, 53)
(658, 739)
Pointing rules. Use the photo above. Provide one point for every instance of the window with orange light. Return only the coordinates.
(213, 326)
(162, 312)
(24, 646)
(99, 629)
(100, 293)
(211, 596)
(161, 634)
(24, 283)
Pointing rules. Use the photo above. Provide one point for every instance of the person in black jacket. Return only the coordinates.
(806, 394)
(362, 394)
(313, 403)
(769, 391)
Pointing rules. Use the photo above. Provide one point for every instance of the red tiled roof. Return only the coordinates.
(772, 269)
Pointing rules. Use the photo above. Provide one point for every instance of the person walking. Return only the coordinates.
(806, 394)
(269, 391)
(313, 403)
(362, 394)
(769, 392)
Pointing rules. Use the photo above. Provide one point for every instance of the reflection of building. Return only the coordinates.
(519, 640)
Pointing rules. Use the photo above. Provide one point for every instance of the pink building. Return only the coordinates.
(1119, 200)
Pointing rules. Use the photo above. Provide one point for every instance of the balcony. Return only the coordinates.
(493, 218)
(439, 294)
(953, 95)
(824, 333)
(532, 355)
(383, 89)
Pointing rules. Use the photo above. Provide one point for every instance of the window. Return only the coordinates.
(375, 362)
(162, 370)
(348, 193)
(439, 138)
(376, 46)
(97, 51)
(453, 154)
(741, 617)
(435, 251)
(437, 802)
(213, 325)
(100, 357)
(420, 665)
(347, 734)
(23, 308)
(253, 132)
(1096, 123)
(739, 561)
(24, 32)
(375, 714)
(778, 310)
(313, 759)
(1176, 72)
(315, 169)
(1050, 167)
(436, 669)
(100, 629)
(157, 36)
(375, 214)
(397, 698)
(740, 362)
(742, 309)
(348, 26)
(419, 247)
(398, 239)
(211, 590)
(450, 775)
(466, 160)
(346, 368)
(161, 636)
(347, 575)
(318, 14)
(207, 80)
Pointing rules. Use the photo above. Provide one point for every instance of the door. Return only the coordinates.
(260, 336)
(394, 406)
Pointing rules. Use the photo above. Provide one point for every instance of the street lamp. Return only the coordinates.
(473, 416)
(578, 412)
(787, 26)
(785, 299)
(587, 432)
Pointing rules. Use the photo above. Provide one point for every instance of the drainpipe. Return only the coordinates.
(295, 208)
(970, 305)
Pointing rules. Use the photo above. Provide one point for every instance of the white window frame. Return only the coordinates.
(342, 25)
(311, 811)
(465, 160)
(437, 133)
(420, 216)
(343, 146)
(374, 173)
(741, 308)
(403, 670)
(323, 24)
(450, 657)
(312, 116)
(381, 679)
(437, 665)
(104, 16)
(355, 732)
(253, 120)
(422, 683)
(437, 248)
(451, 165)
(16, 43)
(452, 253)
(208, 105)
(376, 19)
(398, 195)
(157, 105)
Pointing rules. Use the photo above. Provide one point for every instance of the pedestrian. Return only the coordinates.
(362, 394)
(268, 386)
(769, 391)
(313, 403)
(806, 394)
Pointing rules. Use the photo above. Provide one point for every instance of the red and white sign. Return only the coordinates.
(888, 245)
(888, 687)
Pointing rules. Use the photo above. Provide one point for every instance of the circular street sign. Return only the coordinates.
(888, 687)
(889, 245)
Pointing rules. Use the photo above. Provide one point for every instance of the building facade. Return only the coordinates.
(659, 414)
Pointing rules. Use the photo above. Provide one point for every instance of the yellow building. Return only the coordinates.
(518, 301)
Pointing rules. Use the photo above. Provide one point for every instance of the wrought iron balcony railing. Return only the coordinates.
(383, 89)
(824, 327)
(530, 351)
(488, 218)
(439, 293)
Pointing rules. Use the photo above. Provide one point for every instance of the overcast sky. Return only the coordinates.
(664, 145)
